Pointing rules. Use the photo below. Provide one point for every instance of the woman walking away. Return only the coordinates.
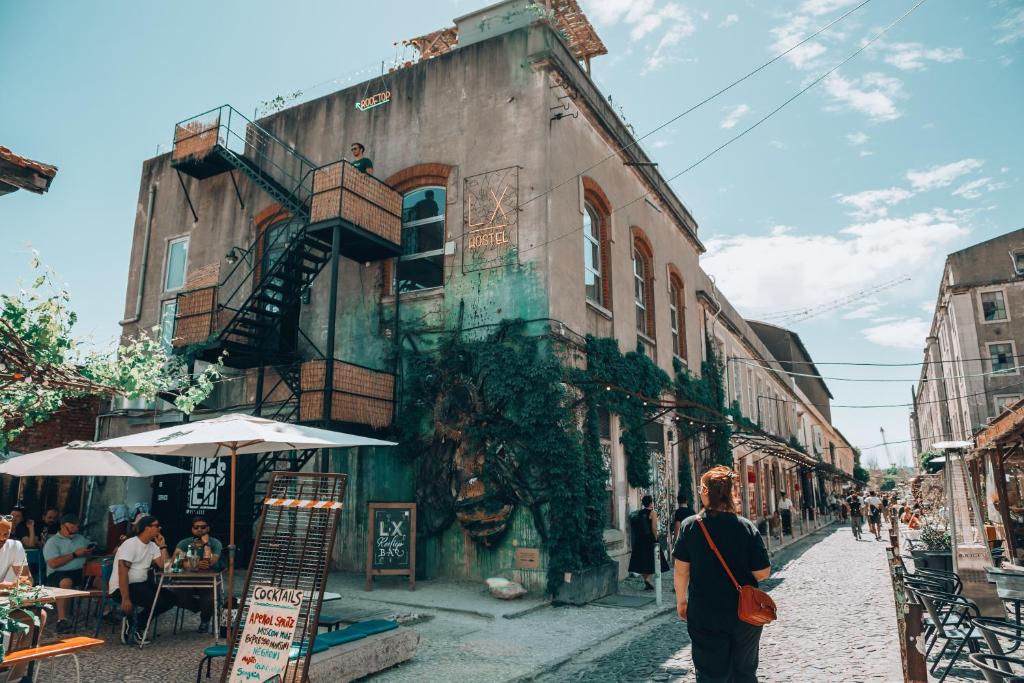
(643, 525)
(725, 649)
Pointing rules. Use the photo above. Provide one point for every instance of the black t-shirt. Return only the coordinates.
(854, 502)
(682, 513)
(20, 532)
(712, 597)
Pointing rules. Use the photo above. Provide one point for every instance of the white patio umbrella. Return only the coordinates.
(74, 461)
(232, 435)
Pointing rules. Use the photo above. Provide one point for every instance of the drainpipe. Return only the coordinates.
(145, 257)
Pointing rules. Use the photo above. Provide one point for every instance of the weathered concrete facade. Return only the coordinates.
(971, 357)
(508, 121)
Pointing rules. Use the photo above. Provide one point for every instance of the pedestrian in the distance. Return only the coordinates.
(786, 510)
(724, 649)
(643, 526)
(682, 512)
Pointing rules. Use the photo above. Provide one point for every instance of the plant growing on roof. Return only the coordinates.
(42, 365)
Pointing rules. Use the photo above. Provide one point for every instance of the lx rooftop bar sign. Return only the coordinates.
(383, 97)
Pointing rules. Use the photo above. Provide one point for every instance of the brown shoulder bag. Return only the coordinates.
(755, 607)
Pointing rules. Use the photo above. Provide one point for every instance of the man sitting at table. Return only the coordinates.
(208, 550)
(65, 553)
(13, 560)
(129, 582)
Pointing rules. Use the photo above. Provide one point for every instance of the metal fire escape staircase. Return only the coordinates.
(255, 307)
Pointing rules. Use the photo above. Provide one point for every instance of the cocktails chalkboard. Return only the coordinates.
(391, 542)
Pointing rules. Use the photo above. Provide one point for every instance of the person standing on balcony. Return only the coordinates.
(360, 160)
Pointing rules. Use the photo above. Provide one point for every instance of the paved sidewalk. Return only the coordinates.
(836, 623)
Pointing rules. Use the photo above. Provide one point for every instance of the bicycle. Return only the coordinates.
(855, 523)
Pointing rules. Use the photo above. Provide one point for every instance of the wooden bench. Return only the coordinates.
(62, 648)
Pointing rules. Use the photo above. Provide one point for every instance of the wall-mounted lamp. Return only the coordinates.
(236, 253)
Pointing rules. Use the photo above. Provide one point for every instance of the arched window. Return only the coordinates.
(643, 284)
(593, 258)
(640, 290)
(421, 265)
(597, 237)
(677, 314)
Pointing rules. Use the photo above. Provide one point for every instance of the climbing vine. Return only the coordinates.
(633, 376)
(708, 392)
(491, 424)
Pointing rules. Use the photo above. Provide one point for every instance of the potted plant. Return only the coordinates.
(11, 626)
(937, 552)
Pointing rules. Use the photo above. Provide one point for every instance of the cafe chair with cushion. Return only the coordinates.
(998, 668)
(218, 651)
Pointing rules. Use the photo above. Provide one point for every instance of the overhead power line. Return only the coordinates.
(747, 130)
(801, 314)
(700, 104)
(910, 380)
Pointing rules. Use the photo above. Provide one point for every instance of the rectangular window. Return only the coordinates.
(168, 311)
(992, 306)
(639, 292)
(1018, 262)
(421, 265)
(592, 256)
(1002, 357)
(673, 316)
(177, 258)
(1004, 401)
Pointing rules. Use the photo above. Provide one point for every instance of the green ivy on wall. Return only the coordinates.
(499, 410)
(632, 375)
(708, 392)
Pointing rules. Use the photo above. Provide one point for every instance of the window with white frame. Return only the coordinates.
(1004, 401)
(1002, 357)
(993, 306)
(592, 256)
(421, 265)
(640, 291)
(174, 268)
(1018, 261)
(168, 310)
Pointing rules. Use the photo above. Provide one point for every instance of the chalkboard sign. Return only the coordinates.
(391, 542)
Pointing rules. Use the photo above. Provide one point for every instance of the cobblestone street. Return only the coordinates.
(836, 623)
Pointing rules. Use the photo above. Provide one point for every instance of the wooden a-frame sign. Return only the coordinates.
(391, 542)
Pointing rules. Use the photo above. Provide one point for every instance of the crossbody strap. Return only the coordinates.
(717, 554)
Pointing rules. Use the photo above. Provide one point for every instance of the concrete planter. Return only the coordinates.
(587, 585)
(933, 559)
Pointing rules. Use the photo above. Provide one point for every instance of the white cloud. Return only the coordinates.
(758, 272)
(873, 94)
(729, 20)
(975, 188)
(734, 115)
(819, 7)
(1012, 27)
(856, 139)
(866, 153)
(874, 203)
(644, 17)
(915, 56)
(941, 176)
(789, 34)
(777, 144)
(864, 311)
(909, 333)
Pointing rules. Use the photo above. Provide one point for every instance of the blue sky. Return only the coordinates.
(910, 151)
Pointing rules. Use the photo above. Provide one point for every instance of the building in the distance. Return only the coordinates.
(325, 286)
(971, 367)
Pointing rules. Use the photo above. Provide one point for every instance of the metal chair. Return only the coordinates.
(993, 629)
(998, 668)
(953, 616)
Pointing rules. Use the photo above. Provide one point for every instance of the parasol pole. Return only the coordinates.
(231, 545)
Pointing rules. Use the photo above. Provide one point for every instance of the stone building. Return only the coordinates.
(257, 239)
(971, 368)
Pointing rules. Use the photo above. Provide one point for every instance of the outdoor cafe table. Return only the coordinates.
(202, 579)
(37, 599)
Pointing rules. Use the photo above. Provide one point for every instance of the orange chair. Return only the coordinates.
(63, 648)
